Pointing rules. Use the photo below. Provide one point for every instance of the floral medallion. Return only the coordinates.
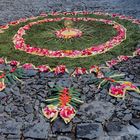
(67, 33)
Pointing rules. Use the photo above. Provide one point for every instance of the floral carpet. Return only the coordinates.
(41, 102)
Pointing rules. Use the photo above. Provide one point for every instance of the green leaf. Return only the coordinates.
(10, 79)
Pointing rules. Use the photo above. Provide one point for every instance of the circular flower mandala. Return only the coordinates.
(19, 42)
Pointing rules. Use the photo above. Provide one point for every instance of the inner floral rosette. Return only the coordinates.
(68, 33)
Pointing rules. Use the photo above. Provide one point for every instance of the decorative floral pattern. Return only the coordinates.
(50, 112)
(117, 91)
(123, 58)
(60, 69)
(112, 62)
(14, 63)
(43, 68)
(79, 71)
(120, 89)
(64, 103)
(67, 113)
(28, 66)
(96, 70)
(20, 44)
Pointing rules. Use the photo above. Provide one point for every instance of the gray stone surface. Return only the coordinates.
(127, 117)
(89, 131)
(60, 127)
(39, 130)
(15, 9)
(136, 123)
(98, 111)
(63, 138)
(11, 127)
(113, 128)
(2, 95)
(29, 108)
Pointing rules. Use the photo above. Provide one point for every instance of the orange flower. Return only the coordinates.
(64, 97)
(67, 113)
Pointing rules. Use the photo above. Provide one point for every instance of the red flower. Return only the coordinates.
(2, 61)
(43, 68)
(120, 90)
(67, 113)
(14, 63)
(28, 66)
(4, 27)
(117, 91)
(86, 52)
(13, 69)
(26, 27)
(79, 71)
(112, 63)
(50, 112)
(60, 69)
(14, 22)
(95, 69)
(123, 58)
(136, 21)
(2, 75)
(137, 52)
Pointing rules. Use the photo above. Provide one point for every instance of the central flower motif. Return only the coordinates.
(68, 33)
